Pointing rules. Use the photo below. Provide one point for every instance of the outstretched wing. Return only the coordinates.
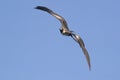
(60, 18)
(81, 43)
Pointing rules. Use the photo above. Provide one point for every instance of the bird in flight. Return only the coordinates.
(65, 31)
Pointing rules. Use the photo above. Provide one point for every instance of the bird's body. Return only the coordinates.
(65, 31)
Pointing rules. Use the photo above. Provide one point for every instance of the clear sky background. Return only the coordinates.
(32, 48)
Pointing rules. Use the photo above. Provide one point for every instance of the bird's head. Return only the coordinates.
(61, 30)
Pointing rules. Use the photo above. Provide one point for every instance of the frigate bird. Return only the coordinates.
(65, 31)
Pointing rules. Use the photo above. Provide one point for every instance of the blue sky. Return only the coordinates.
(32, 48)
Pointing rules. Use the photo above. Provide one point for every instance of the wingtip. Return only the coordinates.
(89, 65)
(37, 7)
(89, 68)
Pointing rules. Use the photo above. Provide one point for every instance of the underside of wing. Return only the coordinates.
(81, 43)
(60, 18)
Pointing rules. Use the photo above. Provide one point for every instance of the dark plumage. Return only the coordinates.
(65, 31)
